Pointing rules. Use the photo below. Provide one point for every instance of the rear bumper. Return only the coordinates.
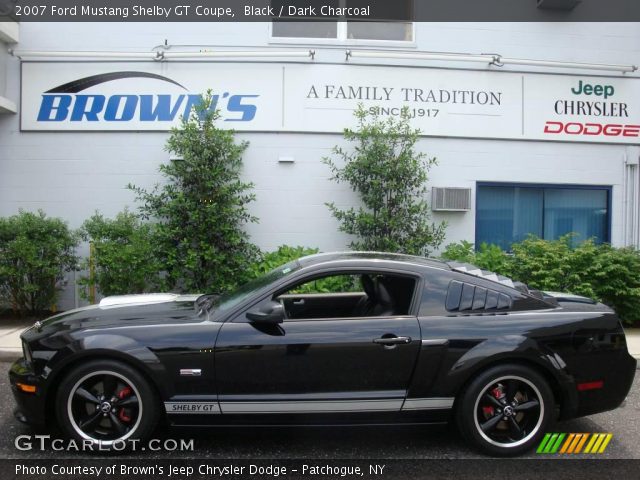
(30, 407)
(617, 383)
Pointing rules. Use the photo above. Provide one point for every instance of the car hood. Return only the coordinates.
(124, 310)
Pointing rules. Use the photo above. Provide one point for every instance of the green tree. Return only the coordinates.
(201, 209)
(389, 175)
(123, 256)
(35, 251)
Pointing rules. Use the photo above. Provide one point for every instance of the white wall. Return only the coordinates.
(9, 35)
(71, 175)
(586, 42)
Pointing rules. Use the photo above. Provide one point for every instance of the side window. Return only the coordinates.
(348, 295)
(331, 284)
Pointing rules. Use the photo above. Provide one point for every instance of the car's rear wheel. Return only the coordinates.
(505, 410)
(107, 403)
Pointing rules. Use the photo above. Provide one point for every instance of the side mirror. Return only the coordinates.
(272, 312)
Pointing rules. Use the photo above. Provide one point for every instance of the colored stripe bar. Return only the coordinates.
(573, 443)
(581, 443)
(596, 446)
(605, 443)
(543, 443)
(592, 441)
(550, 444)
(579, 440)
(567, 442)
(556, 446)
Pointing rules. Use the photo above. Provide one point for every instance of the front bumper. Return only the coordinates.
(31, 407)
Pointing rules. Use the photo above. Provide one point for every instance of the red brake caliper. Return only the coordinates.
(497, 392)
(123, 414)
(489, 410)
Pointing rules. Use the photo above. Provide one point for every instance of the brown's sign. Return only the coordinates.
(152, 96)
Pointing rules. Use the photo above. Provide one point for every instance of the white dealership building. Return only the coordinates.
(535, 125)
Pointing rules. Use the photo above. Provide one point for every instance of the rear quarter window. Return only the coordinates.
(463, 297)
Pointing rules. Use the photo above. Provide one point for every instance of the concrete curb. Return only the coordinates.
(10, 354)
(10, 343)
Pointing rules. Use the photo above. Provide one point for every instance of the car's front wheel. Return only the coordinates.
(106, 403)
(505, 410)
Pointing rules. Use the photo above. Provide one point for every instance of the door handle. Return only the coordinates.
(298, 302)
(392, 340)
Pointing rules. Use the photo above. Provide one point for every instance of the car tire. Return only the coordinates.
(505, 410)
(107, 403)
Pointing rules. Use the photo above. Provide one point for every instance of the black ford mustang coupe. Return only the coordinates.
(337, 338)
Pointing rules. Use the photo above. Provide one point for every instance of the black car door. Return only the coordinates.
(315, 365)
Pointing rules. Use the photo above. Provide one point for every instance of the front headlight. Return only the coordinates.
(26, 351)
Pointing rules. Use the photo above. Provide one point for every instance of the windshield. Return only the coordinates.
(230, 300)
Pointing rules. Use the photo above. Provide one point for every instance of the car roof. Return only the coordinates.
(396, 258)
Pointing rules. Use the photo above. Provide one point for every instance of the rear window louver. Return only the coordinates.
(463, 297)
(478, 272)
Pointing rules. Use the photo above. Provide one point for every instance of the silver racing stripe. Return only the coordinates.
(428, 403)
(313, 406)
(309, 406)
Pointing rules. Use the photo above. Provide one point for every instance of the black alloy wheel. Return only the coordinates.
(106, 403)
(506, 410)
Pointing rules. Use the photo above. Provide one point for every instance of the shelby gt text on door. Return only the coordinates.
(338, 338)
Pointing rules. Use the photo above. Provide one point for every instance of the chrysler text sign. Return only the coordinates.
(582, 108)
(95, 96)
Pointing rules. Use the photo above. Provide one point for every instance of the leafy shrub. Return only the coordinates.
(389, 175)
(283, 254)
(331, 284)
(545, 264)
(602, 272)
(488, 257)
(124, 256)
(35, 251)
(614, 276)
(493, 258)
(462, 251)
(201, 208)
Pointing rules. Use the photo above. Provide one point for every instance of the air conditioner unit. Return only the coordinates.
(451, 199)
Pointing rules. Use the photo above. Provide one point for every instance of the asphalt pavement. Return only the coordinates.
(331, 442)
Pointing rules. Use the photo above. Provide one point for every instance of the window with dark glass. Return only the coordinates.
(348, 295)
(506, 214)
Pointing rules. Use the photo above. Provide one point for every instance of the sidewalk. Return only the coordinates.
(633, 341)
(11, 348)
(10, 345)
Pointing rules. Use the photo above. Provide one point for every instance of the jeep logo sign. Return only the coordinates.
(320, 98)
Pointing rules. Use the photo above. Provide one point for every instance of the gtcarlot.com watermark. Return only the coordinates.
(46, 442)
